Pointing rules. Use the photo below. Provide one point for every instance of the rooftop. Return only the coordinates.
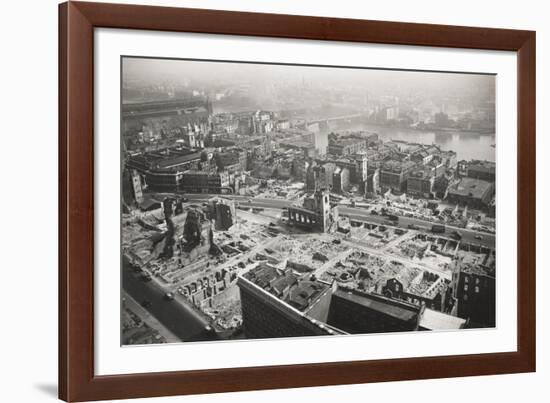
(397, 166)
(286, 286)
(396, 309)
(478, 269)
(346, 141)
(174, 161)
(421, 173)
(482, 166)
(434, 320)
(471, 187)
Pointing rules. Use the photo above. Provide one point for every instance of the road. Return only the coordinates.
(468, 235)
(149, 319)
(360, 214)
(178, 318)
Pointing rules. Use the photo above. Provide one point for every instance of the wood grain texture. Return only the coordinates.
(77, 21)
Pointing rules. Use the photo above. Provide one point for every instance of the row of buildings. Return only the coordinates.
(208, 153)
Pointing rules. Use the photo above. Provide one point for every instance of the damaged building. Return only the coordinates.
(316, 214)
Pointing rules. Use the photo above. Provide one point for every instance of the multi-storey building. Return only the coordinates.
(394, 175)
(474, 193)
(340, 180)
(484, 170)
(474, 291)
(277, 303)
(162, 170)
(420, 182)
(155, 116)
(372, 184)
(235, 159)
(282, 303)
(205, 182)
(355, 312)
(346, 146)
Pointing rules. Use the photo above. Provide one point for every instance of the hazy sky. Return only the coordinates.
(151, 71)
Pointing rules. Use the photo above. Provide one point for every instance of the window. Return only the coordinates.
(466, 279)
(477, 280)
(477, 289)
(465, 287)
(465, 298)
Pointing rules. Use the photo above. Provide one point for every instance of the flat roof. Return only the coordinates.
(471, 187)
(482, 166)
(395, 309)
(434, 320)
(173, 161)
(301, 293)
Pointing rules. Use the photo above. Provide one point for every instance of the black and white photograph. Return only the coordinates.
(265, 200)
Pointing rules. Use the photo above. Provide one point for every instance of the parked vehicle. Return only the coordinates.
(438, 229)
(479, 237)
(456, 235)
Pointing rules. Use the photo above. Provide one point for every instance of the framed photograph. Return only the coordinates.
(257, 201)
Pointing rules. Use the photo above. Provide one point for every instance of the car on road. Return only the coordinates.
(145, 277)
(374, 212)
(146, 303)
(169, 296)
(456, 235)
(413, 226)
(478, 237)
(438, 229)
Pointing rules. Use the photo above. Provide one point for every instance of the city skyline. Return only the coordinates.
(264, 201)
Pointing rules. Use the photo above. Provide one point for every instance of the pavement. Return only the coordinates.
(149, 319)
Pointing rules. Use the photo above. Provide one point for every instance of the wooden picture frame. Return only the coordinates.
(77, 381)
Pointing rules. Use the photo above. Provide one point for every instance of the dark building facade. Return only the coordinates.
(276, 303)
(474, 193)
(281, 303)
(356, 312)
(162, 170)
(474, 291)
(205, 182)
(394, 175)
(431, 298)
(485, 170)
(420, 182)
